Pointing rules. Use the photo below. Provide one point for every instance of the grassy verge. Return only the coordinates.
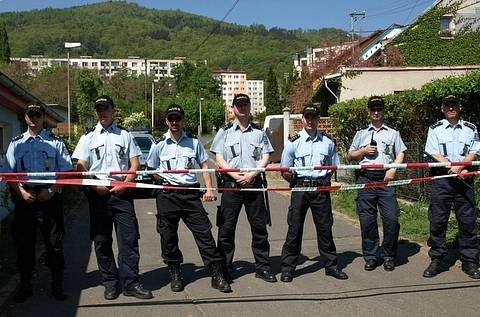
(414, 224)
(71, 198)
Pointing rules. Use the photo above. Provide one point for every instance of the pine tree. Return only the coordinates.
(4, 46)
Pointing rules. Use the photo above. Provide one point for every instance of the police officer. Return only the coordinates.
(453, 140)
(105, 148)
(179, 150)
(38, 150)
(378, 143)
(310, 147)
(242, 144)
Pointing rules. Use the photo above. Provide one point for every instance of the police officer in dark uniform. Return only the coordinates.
(378, 143)
(310, 147)
(453, 140)
(38, 150)
(242, 144)
(105, 148)
(179, 150)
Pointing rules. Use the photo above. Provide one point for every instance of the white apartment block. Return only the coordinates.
(108, 67)
(235, 82)
(255, 92)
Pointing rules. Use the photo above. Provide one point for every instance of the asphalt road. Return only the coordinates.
(403, 292)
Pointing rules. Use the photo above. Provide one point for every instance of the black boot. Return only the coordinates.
(25, 290)
(176, 281)
(57, 285)
(218, 281)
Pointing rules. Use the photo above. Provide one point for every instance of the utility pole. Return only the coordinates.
(353, 18)
(145, 87)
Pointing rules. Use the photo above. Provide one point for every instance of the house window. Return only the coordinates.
(447, 26)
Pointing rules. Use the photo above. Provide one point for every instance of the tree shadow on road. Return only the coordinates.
(406, 249)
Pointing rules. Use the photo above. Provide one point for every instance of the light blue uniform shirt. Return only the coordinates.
(107, 150)
(42, 153)
(169, 154)
(389, 144)
(241, 149)
(302, 150)
(453, 142)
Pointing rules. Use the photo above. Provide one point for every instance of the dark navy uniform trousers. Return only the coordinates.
(320, 204)
(173, 205)
(446, 193)
(367, 202)
(48, 216)
(107, 212)
(227, 218)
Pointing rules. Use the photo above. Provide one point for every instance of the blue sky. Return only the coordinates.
(289, 14)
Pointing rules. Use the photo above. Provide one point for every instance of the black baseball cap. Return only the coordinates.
(240, 98)
(375, 101)
(450, 99)
(104, 100)
(35, 107)
(174, 109)
(310, 109)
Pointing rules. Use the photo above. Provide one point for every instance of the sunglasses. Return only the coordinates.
(376, 109)
(34, 114)
(174, 118)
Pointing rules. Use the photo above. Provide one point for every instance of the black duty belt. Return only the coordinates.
(311, 182)
(376, 175)
(181, 189)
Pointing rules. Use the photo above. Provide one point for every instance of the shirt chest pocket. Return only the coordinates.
(48, 158)
(320, 157)
(388, 148)
(22, 161)
(189, 160)
(255, 150)
(96, 151)
(120, 151)
(303, 158)
(168, 162)
(232, 149)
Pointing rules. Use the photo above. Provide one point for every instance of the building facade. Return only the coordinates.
(255, 92)
(108, 67)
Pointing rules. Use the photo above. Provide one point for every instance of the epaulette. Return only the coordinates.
(191, 135)
(293, 137)
(122, 128)
(162, 138)
(89, 130)
(54, 136)
(327, 135)
(227, 126)
(469, 125)
(390, 126)
(436, 124)
(18, 137)
(255, 126)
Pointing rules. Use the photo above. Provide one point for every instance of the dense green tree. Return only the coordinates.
(273, 105)
(4, 46)
(88, 87)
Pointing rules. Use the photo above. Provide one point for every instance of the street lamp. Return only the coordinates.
(68, 46)
(200, 115)
(153, 103)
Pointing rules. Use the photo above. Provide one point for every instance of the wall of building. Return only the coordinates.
(388, 80)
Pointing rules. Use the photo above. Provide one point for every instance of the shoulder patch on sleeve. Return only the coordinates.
(294, 137)
(436, 125)
(227, 126)
(191, 135)
(18, 137)
(89, 130)
(469, 125)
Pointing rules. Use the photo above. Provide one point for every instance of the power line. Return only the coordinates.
(215, 28)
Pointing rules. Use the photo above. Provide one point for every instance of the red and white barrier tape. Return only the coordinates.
(99, 182)
(247, 170)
